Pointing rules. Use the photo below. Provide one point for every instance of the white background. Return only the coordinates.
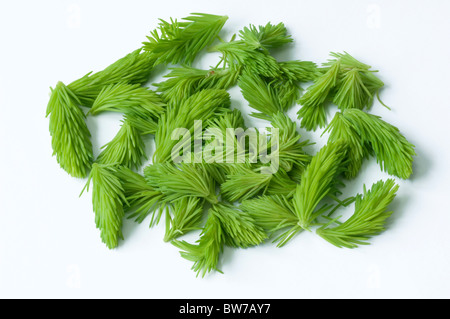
(49, 246)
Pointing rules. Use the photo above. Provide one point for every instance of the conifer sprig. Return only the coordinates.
(141, 106)
(143, 200)
(282, 184)
(275, 214)
(146, 125)
(184, 81)
(186, 216)
(288, 150)
(346, 61)
(180, 42)
(206, 252)
(223, 145)
(352, 92)
(126, 149)
(265, 37)
(182, 180)
(368, 219)
(260, 95)
(107, 200)
(128, 99)
(229, 120)
(299, 71)
(71, 139)
(346, 82)
(340, 128)
(393, 151)
(70, 135)
(319, 180)
(296, 173)
(238, 54)
(221, 135)
(203, 105)
(244, 183)
(287, 84)
(313, 112)
(288, 92)
(134, 68)
(239, 228)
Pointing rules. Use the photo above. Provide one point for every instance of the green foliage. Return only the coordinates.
(222, 134)
(393, 151)
(288, 92)
(345, 81)
(107, 201)
(229, 120)
(275, 214)
(146, 125)
(239, 228)
(252, 51)
(186, 216)
(296, 173)
(205, 254)
(129, 99)
(217, 172)
(238, 54)
(265, 37)
(287, 84)
(180, 42)
(286, 192)
(313, 112)
(341, 128)
(290, 151)
(353, 93)
(368, 219)
(260, 95)
(71, 139)
(225, 225)
(134, 68)
(318, 180)
(185, 81)
(203, 105)
(346, 61)
(281, 184)
(299, 71)
(142, 199)
(126, 149)
(182, 180)
(244, 183)
(141, 106)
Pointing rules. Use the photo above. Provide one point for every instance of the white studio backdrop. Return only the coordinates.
(49, 246)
